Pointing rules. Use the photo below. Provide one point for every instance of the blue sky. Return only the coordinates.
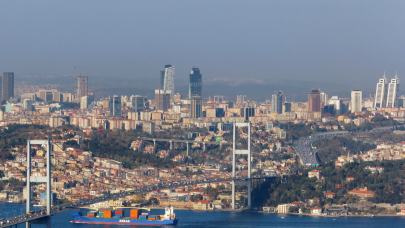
(332, 41)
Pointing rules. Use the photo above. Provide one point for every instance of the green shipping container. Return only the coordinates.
(217, 139)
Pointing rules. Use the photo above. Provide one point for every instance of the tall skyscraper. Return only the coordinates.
(162, 99)
(82, 87)
(240, 98)
(393, 89)
(314, 100)
(356, 101)
(7, 86)
(196, 107)
(195, 87)
(169, 79)
(337, 105)
(115, 106)
(137, 103)
(381, 92)
(276, 102)
(162, 76)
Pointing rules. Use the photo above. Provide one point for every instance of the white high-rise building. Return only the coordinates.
(169, 79)
(392, 96)
(324, 98)
(381, 92)
(356, 101)
(337, 104)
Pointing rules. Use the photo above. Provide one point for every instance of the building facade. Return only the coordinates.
(169, 79)
(314, 100)
(381, 92)
(115, 106)
(162, 99)
(276, 102)
(356, 101)
(392, 95)
(196, 107)
(195, 87)
(82, 86)
(7, 86)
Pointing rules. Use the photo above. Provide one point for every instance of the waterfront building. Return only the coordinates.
(356, 101)
(195, 86)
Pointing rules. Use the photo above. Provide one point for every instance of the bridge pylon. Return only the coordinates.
(47, 179)
(248, 181)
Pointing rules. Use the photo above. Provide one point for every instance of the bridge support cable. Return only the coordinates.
(248, 181)
(44, 220)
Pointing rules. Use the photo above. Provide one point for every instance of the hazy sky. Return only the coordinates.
(307, 40)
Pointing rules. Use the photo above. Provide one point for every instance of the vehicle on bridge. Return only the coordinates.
(117, 217)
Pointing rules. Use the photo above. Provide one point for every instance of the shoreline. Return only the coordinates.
(332, 216)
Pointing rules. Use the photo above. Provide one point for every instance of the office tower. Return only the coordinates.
(337, 104)
(240, 98)
(195, 87)
(115, 106)
(82, 86)
(27, 103)
(137, 103)
(168, 83)
(162, 99)
(324, 98)
(7, 86)
(401, 101)
(90, 98)
(247, 112)
(356, 101)
(196, 107)
(83, 102)
(381, 92)
(392, 95)
(314, 100)
(219, 98)
(276, 102)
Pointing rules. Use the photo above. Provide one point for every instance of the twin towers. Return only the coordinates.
(386, 95)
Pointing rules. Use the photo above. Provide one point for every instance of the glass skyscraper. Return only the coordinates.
(195, 88)
(7, 86)
(276, 102)
(115, 106)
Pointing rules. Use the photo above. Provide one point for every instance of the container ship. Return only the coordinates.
(118, 217)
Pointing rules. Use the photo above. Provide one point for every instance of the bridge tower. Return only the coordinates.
(247, 181)
(46, 219)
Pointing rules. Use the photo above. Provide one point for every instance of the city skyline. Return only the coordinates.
(326, 46)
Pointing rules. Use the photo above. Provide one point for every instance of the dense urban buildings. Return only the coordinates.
(276, 102)
(195, 87)
(7, 86)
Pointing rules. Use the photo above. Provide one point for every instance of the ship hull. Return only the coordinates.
(124, 221)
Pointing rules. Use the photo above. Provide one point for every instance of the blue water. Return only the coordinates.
(204, 219)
